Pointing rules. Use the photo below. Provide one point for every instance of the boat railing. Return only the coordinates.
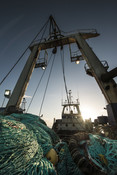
(70, 104)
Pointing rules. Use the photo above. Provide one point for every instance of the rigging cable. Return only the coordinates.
(45, 25)
(47, 85)
(37, 86)
(63, 70)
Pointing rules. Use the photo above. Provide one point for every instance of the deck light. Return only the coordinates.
(77, 62)
(43, 68)
(7, 93)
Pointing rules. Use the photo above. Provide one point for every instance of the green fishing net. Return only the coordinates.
(23, 144)
(66, 166)
(25, 140)
(103, 152)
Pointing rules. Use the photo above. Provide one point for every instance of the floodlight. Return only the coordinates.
(7, 93)
(77, 62)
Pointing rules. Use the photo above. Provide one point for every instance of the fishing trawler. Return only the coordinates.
(71, 121)
(29, 147)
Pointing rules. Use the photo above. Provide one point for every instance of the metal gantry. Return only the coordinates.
(103, 78)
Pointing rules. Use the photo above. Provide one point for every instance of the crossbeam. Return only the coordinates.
(62, 41)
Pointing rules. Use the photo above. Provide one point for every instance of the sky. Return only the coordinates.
(21, 20)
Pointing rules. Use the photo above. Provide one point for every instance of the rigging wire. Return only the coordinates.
(38, 85)
(63, 70)
(47, 85)
(45, 25)
(42, 74)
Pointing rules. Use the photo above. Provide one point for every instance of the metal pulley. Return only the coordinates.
(54, 51)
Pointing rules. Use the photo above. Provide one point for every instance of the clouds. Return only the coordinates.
(14, 39)
(8, 26)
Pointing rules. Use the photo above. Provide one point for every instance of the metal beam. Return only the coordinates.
(109, 89)
(62, 41)
(109, 75)
(23, 80)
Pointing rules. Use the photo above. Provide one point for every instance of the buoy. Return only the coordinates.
(52, 156)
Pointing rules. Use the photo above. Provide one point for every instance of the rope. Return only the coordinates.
(47, 84)
(24, 144)
(37, 86)
(64, 78)
(45, 25)
(25, 140)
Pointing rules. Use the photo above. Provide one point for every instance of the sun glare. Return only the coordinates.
(88, 113)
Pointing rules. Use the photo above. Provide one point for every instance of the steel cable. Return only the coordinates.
(45, 25)
(38, 86)
(64, 78)
(47, 85)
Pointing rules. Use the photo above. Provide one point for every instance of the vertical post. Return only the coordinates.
(23, 80)
(109, 88)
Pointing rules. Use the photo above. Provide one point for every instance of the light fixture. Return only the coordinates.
(43, 68)
(77, 62)
(76, 58)
(7, 93)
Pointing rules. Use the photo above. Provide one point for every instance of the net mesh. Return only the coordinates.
(26, 139)
(23, 144)
(103, 152)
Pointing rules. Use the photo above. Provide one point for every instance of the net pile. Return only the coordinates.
(103, 152)
(25, 140)
(66, 166)
(20, 151)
